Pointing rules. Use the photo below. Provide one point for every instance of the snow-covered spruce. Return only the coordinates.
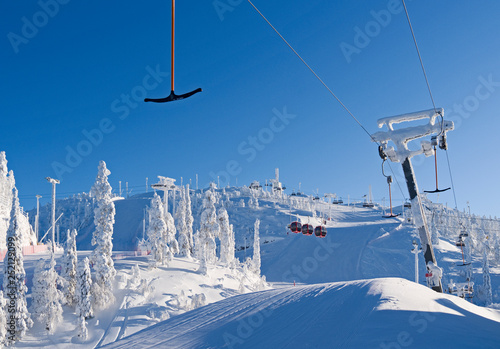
(189, 218)
(256, 248)
(184, 247)
(104, 218)
(3, 319)
(486, 289)
(68, 271)
(156, 232)
(18, 317)
(46, 305)
(169, 237)
(209, 230)
(226, 238)
(83, 297)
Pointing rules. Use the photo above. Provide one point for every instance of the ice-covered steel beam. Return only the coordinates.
(401, 137)
(419, 115)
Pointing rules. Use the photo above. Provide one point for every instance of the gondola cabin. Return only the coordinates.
(307, 229)
(320, 231)
(296, 227)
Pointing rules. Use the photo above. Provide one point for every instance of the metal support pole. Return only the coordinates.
(416, 251)
(54, 182)
(419, 217)
(37, 218)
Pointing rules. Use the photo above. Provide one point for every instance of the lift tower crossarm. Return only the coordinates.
(403, 155)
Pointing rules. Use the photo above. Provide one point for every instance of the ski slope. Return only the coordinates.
(378, 313)
(328, 307)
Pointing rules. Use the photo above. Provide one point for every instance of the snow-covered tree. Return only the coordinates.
(83, 297)
(172, 246)
(226, 238)
(38, 291)
(184, 247)
(487, 291)
(209, 230)
(256, 248)
(83, 290)
(156, 231)
(18, 317)
(242, 203)
(3, 319)
(104, 219)
(497, 251)
(189, 218)
(46, 306)
(68, 271)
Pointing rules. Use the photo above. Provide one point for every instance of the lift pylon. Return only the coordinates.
(402, 154)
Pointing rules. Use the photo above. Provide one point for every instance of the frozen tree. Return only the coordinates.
(197, 245)
(83, 290)
(156, 231)
(46, 306)
(209, 230)
(83, 297)
(184, 247)
(19, 320)
(172, 246)
(487, 291)
(38, 291)
(256, 248)
(83, 333)
(189, 218)
(68, 271)
(3, 319)
(226, 238)
(135, 279)
(104, 219)
(434, 230)
(497, 251)
(242, 203)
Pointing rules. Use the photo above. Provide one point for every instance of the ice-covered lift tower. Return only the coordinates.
(402, 154)
(164, 184)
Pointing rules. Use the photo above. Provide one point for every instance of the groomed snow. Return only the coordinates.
(378, 313)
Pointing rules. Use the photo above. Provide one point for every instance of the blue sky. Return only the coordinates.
(67, 80)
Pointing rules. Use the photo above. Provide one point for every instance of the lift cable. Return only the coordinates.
(431, 96)
(312, 71)
(322, 82)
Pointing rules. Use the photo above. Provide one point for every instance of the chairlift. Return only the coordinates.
(442, 145)
(320, 231)
(172, 97)
(296, 227)
(460, 242)
(307, 229)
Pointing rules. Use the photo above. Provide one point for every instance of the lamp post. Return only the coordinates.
(54, 182)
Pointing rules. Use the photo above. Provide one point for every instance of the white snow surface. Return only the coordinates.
(328, 307)
(357, 314)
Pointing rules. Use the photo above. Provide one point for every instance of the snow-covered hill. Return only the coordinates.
(378, 313)
(327, 307)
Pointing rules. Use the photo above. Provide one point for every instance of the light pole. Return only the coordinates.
(37, 216)
(54, 182)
